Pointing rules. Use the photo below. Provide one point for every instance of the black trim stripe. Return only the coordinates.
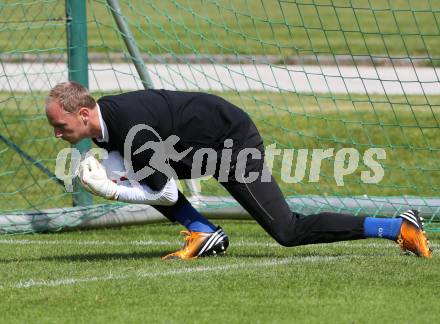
(207, 243)
(216, 237)
(215, 242)
(412, 216)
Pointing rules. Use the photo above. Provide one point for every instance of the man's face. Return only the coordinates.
(67, 126)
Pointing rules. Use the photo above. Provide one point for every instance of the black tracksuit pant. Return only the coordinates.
(266, 204)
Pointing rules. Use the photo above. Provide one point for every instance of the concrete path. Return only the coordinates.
(295, 78)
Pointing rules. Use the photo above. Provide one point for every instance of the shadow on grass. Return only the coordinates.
(98, 257)
(95, 257)
(285, 254)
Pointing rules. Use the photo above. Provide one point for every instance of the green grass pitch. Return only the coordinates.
(116, 275)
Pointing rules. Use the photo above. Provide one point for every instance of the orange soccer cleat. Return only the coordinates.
(412, 237)
(200, 244)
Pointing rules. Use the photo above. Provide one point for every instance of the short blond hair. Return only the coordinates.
(71, 96)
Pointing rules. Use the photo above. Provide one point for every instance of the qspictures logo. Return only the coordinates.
(206, 161)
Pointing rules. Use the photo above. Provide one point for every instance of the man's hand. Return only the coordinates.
(94, 178)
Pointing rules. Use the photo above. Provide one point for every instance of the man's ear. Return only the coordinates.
(84, 113)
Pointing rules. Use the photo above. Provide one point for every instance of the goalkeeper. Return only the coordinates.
(202, 123)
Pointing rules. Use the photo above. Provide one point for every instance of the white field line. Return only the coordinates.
(386, 244)
(29, 283)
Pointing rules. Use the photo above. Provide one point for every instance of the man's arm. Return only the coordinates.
(94, 178)
(143, 194)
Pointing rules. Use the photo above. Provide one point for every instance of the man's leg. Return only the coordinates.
(266, 204)
(202, 238)
(185, 214)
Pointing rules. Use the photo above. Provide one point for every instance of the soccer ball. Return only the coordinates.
(115, 168)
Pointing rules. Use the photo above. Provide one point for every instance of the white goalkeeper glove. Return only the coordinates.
(94, 178)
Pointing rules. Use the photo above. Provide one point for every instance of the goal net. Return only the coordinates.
(346, 94)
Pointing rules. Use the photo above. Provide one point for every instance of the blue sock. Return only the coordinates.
(189, 217)
(387, 228)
